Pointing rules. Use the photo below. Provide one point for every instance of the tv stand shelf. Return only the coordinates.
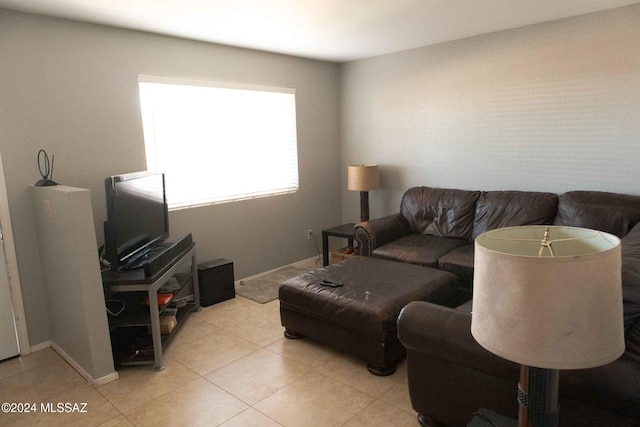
(136, 313)
(136, 319)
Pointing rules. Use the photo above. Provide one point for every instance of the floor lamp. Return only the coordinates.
(548, 298)
(363, 178)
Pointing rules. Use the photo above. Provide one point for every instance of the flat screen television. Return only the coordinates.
(137, 216)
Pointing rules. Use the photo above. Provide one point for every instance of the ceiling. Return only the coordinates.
(331, 30)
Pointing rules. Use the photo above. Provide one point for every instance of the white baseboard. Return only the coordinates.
(318, 257)
(94, 382)
(40, 346)
(105, 380)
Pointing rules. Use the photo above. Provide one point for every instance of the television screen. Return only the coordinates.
(137, 215)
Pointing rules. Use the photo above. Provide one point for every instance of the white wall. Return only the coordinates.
(72, 282)
(71, 88)
(549, 107)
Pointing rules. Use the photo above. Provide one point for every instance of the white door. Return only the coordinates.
(14, 337)
(8, 335)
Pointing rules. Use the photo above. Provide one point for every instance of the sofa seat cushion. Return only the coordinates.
(497, 209)
(466, 307)
(440, 212)
(418, 249)
(459, 262)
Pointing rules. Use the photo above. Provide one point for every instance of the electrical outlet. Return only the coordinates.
(309, 234)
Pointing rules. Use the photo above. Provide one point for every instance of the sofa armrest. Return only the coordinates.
(377, 232)
(445, 333)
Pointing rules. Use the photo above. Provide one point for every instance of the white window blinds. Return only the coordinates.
(219, 142)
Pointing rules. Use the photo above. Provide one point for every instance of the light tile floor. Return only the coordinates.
(229, 365)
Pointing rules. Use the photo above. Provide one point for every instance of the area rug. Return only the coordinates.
(263, 288)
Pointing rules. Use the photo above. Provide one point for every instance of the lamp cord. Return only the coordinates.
(315, 241)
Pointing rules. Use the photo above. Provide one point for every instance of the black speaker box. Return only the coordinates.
(216, 281)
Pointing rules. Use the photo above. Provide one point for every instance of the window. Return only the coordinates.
(219, 142)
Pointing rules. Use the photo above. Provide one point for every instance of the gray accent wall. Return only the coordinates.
(549, 107)
(71, 88)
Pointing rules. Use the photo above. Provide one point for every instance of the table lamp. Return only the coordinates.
(548, 298)
(363, 178)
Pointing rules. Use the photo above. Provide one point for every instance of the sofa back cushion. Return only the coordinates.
(497, 209)
(610, 212)
(440, 212)
(630, 249)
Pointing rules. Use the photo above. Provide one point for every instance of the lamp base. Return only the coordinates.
(364, 206)
(538, 397)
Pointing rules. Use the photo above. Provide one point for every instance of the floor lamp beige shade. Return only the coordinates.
(548, 297)
(363, 178)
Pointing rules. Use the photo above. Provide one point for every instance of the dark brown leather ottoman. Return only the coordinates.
(360, 317)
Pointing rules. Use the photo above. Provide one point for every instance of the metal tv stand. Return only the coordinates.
(129, 285)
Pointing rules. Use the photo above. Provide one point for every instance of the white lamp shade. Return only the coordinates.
(363, 177)
(555, 312)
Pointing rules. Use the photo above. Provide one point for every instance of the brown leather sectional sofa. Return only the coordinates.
(450, 374)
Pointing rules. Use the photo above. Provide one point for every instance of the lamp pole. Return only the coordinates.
(364, 206)
(538, 397)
